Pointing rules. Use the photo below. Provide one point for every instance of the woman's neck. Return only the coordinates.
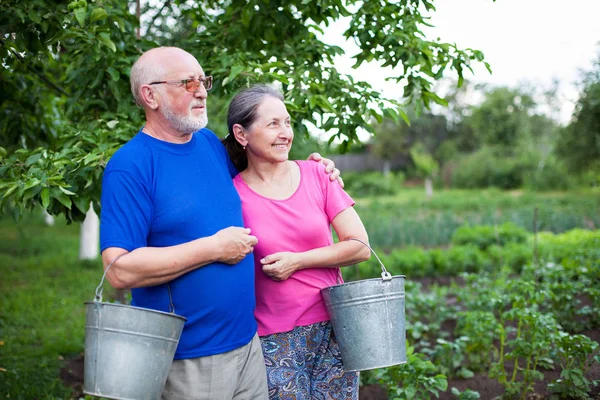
(273, 180)
(267, 172)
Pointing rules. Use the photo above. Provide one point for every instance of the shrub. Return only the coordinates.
(489, 168)
(552, 177)
(484, 236)
(372, 183)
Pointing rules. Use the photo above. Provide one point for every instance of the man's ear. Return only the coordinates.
(149, 97)
(240, 134)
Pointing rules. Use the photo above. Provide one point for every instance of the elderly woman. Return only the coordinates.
(289, 206)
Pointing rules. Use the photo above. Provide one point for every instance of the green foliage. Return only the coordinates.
(490, 167)
(575, 354)
(427, 132)
(502, 117)
(68, 66)
(480, 328)
(505, 321)
(484, 236)
(449, 356)
(425, 164)
(415, 379)
(553, 176)
(66, 181)
(579, 143)
(372, 183)
(42, 315)
(410, 218)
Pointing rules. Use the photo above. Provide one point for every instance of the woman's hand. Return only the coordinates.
(280, 266)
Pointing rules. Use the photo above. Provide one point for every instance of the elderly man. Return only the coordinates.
(172, 229)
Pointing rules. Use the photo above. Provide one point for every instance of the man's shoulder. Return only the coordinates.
(208, 135)
(129, 154)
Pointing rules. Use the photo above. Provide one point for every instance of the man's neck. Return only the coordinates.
(166, 135)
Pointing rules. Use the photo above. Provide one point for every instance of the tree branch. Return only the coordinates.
(44, 78)
(159, 13)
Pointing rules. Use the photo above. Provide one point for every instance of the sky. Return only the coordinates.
(533, 41)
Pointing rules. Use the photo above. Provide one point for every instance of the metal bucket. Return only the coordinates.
(128, 350)
(368, 320)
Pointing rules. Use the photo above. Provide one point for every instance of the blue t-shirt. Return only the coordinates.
(157, 194)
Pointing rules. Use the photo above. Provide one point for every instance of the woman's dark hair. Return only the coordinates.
(242, 110)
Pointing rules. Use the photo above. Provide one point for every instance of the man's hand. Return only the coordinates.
(280, 266)
(235, 244)
(329, 167)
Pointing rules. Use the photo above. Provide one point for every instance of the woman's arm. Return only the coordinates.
(347, 225)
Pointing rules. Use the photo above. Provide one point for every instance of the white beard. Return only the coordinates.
(186, 124)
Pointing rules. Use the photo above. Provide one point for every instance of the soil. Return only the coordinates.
(489, 389)
(72, 375)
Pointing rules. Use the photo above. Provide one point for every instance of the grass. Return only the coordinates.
(42, 314)
(409, 218)
(43, 285)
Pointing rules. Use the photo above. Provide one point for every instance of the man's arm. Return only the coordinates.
(149, 266)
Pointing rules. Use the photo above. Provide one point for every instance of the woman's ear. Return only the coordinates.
(240, 134)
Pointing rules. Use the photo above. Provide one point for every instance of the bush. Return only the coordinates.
(372, 183)
(553, 176)
(411, 261)
(487, 167)
(484, 236)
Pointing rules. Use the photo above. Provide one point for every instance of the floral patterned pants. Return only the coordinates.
(305, 364)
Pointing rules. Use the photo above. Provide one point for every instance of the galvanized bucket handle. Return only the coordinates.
(385, 275)
(99, 289)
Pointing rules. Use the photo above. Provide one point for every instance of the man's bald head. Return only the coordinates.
(153, 65)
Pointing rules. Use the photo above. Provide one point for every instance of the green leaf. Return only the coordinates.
(10, 190)
(64, 199)
(30, 193)
(35, 17)
(66, 191)
(31, 183)
(32, 159)
(45, 195)
(114, 74)
(104, 38)
(325, 104)
(112, 124)
(404, 116)
(98, 14)
(235, 71)
(80, 14)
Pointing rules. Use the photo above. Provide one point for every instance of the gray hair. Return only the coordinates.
(142, 73)
(242, 110)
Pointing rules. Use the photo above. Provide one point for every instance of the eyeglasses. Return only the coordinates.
(191, 85)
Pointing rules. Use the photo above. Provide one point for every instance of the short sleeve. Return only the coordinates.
(336, 199)
(126, 212)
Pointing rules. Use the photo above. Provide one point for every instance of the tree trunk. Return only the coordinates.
(387, 167)
(428, 187)
(89, 236)
(48, 219)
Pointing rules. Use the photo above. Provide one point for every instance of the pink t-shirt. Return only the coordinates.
(298, 223)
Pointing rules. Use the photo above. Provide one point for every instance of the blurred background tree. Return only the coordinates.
(65, 68)
(579, 143)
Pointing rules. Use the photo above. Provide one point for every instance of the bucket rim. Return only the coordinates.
(360, 281)
(136, 308)
(377, 367)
